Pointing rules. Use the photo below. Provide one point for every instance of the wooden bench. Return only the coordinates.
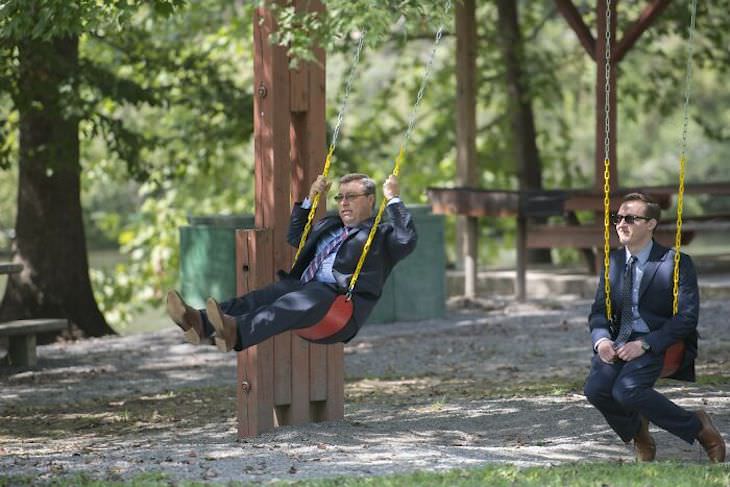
(22, 338)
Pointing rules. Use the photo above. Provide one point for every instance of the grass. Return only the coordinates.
(603, 474)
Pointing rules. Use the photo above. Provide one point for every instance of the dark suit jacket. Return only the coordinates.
(394, 240)
(655, 303)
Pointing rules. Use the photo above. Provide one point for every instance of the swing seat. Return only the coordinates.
(673, 359)
(335, 320)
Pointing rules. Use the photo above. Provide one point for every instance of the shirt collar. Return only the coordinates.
(642, 255)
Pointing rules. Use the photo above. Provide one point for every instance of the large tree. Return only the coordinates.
(53, 91)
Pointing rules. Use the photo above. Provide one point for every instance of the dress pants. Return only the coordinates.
(624, 391)
(287, 304)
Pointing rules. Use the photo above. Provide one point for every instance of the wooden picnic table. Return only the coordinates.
(588, 238)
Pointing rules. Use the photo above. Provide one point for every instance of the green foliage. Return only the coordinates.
(44, 19)
(165, 123)
(301, 31)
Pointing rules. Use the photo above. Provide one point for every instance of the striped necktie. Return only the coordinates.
(320, 257)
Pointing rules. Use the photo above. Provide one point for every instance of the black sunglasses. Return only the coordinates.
(629, 219)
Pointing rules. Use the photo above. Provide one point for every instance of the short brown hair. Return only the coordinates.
(653, 210)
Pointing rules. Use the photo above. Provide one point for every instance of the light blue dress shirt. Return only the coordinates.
(324, 273)
(638, 325)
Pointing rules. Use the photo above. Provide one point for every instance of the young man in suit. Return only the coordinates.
(302, 297)
(629, 349)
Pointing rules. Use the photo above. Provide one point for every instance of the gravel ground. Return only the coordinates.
(496, 383)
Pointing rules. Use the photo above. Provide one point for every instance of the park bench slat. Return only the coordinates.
(33, 326)
(22, 338)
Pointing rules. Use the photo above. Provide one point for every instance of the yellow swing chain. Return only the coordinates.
(333, 144)
(683, 155)
(682, 162)
(606, 167)
(401, 152)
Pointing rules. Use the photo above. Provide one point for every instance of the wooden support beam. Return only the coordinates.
(568, 10)
(255, 365)
(284, 380)
(632, 34)
(466, 168)
(591, 236)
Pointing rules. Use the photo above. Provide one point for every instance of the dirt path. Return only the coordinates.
(501, 384)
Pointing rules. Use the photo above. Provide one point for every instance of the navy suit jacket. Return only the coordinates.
(655, 303)
(394, 240)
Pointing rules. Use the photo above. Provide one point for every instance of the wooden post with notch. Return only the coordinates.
(284, 380)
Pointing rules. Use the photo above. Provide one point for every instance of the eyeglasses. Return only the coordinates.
(349, 196)
(629, 219)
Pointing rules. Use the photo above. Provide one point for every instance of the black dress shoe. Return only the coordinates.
(710, 439)
(184, 316)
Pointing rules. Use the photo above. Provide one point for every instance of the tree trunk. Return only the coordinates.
(522, 121)
(49, 228)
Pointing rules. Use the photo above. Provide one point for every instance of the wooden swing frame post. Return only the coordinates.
(284, 380)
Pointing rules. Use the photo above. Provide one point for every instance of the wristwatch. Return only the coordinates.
(645, 346)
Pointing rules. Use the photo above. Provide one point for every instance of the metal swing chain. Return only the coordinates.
(683, 155)
(606, 167)
(333, 144)
(401, 152)
(419, 96)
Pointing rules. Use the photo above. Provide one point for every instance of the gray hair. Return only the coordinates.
(367, 183)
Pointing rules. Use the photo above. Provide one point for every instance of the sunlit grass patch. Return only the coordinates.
(603, 474)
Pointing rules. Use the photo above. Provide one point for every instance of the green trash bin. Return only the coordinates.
(208, 257)
(416, 288)
(414, 291)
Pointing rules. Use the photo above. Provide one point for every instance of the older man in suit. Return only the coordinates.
(629, 348)
(302, 297)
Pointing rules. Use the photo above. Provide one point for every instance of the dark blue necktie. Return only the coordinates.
(320, 257)
(627, 301)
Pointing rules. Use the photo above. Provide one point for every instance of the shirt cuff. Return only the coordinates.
(598, 335)
(306, 204)
(394, 199)
(598, 342)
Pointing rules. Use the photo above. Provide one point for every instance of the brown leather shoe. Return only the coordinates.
(184, 316)
(710, 438)
(644, 444)
(224, 325)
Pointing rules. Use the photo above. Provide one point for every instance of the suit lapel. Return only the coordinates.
(652, 265)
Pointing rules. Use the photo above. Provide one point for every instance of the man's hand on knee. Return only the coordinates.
(630, 351)
(606, 352)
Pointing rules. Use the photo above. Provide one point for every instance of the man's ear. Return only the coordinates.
(652, 224)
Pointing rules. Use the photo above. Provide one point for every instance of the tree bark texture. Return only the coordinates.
(522, 120)
(49, 229)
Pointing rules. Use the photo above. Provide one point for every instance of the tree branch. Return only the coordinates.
(632, 34)
(574, 19)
